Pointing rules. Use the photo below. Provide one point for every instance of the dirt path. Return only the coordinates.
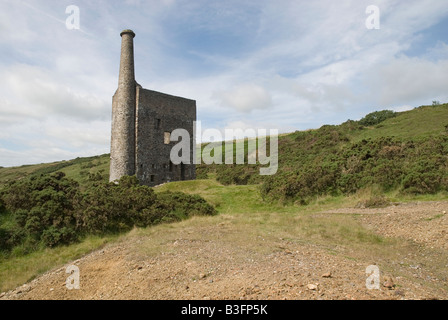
(202, 262)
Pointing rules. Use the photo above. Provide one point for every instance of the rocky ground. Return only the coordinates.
(202, 261)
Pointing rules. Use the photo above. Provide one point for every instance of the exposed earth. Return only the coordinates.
(210, 258)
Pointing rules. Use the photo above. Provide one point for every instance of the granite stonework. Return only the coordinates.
(142, 121)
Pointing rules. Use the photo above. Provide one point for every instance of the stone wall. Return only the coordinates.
(158, 114)
(142, 121)
(123, 112)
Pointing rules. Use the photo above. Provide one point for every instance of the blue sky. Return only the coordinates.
(286, 65)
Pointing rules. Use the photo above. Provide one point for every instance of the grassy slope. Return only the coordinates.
(77, 169)
(242, 204)
(419, 122)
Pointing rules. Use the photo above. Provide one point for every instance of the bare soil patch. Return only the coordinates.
(202, 261)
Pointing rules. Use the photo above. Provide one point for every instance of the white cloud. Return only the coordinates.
(404, 80)
(33, 92)
(245, 98)
(289, 64)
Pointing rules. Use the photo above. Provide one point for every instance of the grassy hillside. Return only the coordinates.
(406, 152)
(295, 148)
(250, 223)
(242, 205)
(420, 122)
(77, 169)
(314, 168)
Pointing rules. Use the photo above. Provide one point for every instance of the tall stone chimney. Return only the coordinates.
(122, 151)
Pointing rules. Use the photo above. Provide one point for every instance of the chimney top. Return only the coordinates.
(127, 31)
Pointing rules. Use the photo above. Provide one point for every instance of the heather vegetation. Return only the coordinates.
(54, 213)
(50, 210)
(334, 160)
(406, 153)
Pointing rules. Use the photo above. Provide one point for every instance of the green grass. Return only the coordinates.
(77, 169)
(291, 221)
(15, 173)
(243, 207)
(258, 226)
(251, 221)
(80, 171)
(15, 271)
(235, 199)
(420, 122)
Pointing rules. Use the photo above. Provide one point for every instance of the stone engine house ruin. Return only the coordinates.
(142, 122)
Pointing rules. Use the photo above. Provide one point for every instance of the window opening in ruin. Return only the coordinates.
(166, 138)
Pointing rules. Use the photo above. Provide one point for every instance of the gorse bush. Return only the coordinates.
(109, 207)
(232, 173)
(414, 167)
(174, 206)
(43, 209)
(327, 162)
(2, 206)
(50, 210)
(376, 117)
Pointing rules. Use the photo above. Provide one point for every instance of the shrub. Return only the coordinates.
(184, 205)
(409, 166)
(201, 172)
(5, 236)
(97, 176)
(54, 236)
(40, 205)
(2, 205)
(110, 207)
(236, 174)
(376, 117)
(51, 210)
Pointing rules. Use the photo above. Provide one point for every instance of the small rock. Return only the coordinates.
(326, 275)
(444, 212)
(26, 288)
(51, 289)
(312, 286)
(399, 293)
(202, 276)
(389, 283)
